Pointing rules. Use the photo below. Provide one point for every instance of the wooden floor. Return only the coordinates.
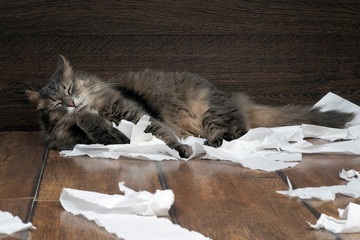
(222, 200)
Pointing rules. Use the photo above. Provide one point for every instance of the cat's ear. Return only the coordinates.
(35, 98)
(63, 70)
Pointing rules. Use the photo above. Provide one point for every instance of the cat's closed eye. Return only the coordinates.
(58, 103)
(70, 88)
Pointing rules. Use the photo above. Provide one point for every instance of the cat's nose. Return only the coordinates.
(71, 104)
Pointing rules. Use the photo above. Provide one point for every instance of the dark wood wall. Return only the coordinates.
(277, 51)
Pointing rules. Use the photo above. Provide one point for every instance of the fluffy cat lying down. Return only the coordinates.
(78, 107)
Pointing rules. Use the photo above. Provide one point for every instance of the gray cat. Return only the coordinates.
(77, 107)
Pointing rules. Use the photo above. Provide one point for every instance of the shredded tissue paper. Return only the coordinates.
(351, 215)
(350, 222)
(267, 149)
(10, 224)
(125, 215)
(327, 193)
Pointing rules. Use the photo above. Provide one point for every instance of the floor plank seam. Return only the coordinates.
(164, 186)
(306, 203)
(37, 186)
(17, 198)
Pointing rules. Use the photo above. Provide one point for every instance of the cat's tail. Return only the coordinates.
(265, 116)
(269, 116)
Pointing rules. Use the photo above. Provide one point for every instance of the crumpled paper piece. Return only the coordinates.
(10, 224)
(350, 222)
(326, 193)
(131, 216)
(267, 149)
(348, 175)
(142, 145)
(142, 203)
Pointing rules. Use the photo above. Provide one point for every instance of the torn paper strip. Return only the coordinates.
(124, 215)
(155, 152)
(269, 160)
(345, 147)
(350, 222)
(326, 193)
(326, 133)
(267, 149)
(10, 224)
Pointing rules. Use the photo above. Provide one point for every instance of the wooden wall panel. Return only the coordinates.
(276, 52)
(184, 17)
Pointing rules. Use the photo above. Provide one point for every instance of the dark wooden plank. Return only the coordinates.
(92, 174)
(18, 207)
(317, 170)
(21, 157)
(323, 170)
(53, 222)
(274, 69)
(95, 174)
(177, 18)
(226, 201)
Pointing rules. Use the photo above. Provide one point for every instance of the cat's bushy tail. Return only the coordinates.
(269, 116)
(266, 116)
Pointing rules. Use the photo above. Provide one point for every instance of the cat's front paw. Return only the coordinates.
(214, 142)
(185, 151)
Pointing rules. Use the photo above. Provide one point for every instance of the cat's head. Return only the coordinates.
(67, 92)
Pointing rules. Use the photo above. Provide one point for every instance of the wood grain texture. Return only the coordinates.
(323, 170)
(166, 17)
(84, 173)
(274, 69)
(225, 201)
(318, 169)
(53, 222)
(17, 207)
(21, 158)
(95, 174)
(220, 199)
